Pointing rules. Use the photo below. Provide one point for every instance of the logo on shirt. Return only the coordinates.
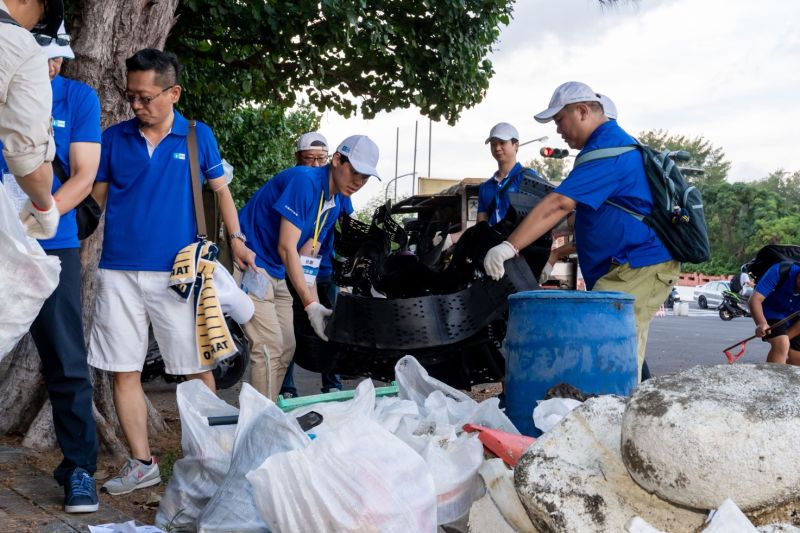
(178, 155)
(292, 211)
(59, 123)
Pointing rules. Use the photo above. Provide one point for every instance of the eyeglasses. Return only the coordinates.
(62, 40)
(314, 159)
(144, 100)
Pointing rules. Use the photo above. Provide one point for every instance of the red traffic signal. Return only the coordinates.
(555, 153)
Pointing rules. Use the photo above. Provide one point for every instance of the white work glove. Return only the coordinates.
(318, 315)
(545, 276)
(496, 257)
(40, 224)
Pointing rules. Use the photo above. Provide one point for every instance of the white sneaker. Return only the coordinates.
(134, 475)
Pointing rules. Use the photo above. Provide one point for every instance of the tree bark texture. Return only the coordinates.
(104, 33)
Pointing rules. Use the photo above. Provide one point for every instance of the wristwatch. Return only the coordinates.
(238, 235)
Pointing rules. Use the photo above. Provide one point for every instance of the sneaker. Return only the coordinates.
(80, 493)
(134, 475)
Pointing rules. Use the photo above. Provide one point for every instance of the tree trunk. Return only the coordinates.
(104, 33)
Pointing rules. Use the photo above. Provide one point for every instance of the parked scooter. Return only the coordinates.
(673, 298)
(733, 305)
(227, 372)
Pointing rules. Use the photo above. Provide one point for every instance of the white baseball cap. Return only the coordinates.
(565, 94)
(54, 50)
(311, 141)
(608, 106)
(503, 131)
(362, 153)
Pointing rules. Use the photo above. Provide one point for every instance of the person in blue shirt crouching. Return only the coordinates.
(772, 301)
(616, 251)
(286, 222)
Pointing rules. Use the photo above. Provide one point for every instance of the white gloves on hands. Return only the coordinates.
(40, 224)
(496, 257)
(318, 315)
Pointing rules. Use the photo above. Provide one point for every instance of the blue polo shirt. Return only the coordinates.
(604, 233)
(76, 118)
(149, 209)
(779, 301)
(490, 190)
(326, 251)
(296, 195)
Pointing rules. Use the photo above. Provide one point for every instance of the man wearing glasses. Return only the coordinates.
(312, 151)
(58, 329)
(144, 181)
(286, 222)
(25, 131)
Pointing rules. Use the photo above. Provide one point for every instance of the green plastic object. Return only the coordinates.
(288, 404)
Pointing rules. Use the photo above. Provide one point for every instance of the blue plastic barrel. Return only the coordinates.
(585, 339)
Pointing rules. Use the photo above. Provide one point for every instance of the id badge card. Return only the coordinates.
(310, 268)
(14, 191)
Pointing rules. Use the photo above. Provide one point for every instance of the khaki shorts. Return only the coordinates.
(128, 301)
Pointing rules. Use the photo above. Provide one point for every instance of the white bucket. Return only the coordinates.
(682, 308)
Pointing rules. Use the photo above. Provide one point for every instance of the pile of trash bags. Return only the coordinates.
(373, 464)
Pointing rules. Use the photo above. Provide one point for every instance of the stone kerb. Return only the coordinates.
(698, 437)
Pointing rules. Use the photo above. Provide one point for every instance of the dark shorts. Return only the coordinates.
(794, 343)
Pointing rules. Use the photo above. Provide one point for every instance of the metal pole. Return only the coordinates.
(430, 132)
(414, 172)
(396, 155)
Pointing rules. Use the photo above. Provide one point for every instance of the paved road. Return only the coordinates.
(678, 342)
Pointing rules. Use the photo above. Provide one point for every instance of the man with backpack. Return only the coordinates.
(777, 296)
(617, 251)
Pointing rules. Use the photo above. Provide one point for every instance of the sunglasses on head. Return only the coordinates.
(44, 40)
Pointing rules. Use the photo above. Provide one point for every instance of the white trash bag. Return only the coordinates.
(448, 404)
(355, 479)
(263, 430)
(548, 413)
(28, 277)
(206, 456)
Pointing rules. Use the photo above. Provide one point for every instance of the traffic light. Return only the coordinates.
(555, 153)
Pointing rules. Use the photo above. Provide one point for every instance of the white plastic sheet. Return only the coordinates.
(548, 413)
(206, 456)
(263, 430)
(27, 277)
(352, 479)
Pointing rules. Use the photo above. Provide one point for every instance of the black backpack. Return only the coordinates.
(786, 254)
(677, 217)
(736, 283)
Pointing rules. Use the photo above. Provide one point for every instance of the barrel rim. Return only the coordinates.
(576, 296)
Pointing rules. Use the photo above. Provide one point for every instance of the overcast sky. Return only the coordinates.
(728, 70)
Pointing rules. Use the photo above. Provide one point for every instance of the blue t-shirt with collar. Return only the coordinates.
(604, 233)
(326, 250)
(76, 118)
(779, 301)
(296, 195)
(489, 190)
(149, 209)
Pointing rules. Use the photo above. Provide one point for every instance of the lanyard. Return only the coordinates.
(317, 227)
(502, 184)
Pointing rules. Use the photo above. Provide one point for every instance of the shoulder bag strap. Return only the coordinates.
(194, 166)
(602, 153)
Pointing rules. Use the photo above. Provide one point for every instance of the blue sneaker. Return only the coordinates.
(80, 493)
